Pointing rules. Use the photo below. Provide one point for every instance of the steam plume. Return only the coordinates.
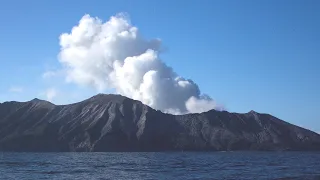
(114, 55)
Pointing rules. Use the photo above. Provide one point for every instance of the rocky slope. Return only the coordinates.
(117, 123)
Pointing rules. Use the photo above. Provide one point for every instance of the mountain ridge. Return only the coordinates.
(107, 122)
(118, 95)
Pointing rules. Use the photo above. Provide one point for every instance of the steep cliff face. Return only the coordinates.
(117, 123)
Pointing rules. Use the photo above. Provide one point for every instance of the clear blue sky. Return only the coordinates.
(260, 55)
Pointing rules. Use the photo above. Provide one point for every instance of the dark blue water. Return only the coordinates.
(124, 166)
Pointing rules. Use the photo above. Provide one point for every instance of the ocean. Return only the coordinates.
(164, 165)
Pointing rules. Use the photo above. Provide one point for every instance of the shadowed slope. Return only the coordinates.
(117, 123)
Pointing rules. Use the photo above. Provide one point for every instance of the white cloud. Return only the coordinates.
(16, 89)
(114, 55)
(52, 73)
(49, 74)
(51, 93)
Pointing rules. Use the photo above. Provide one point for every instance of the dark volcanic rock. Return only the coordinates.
(117, 123)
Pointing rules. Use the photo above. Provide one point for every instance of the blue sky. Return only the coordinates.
(260, 55)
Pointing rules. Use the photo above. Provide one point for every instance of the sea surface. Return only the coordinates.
(171, 165)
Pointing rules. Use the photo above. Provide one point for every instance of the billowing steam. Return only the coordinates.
(114, 55)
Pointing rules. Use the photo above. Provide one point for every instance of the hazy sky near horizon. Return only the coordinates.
(246, 55)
